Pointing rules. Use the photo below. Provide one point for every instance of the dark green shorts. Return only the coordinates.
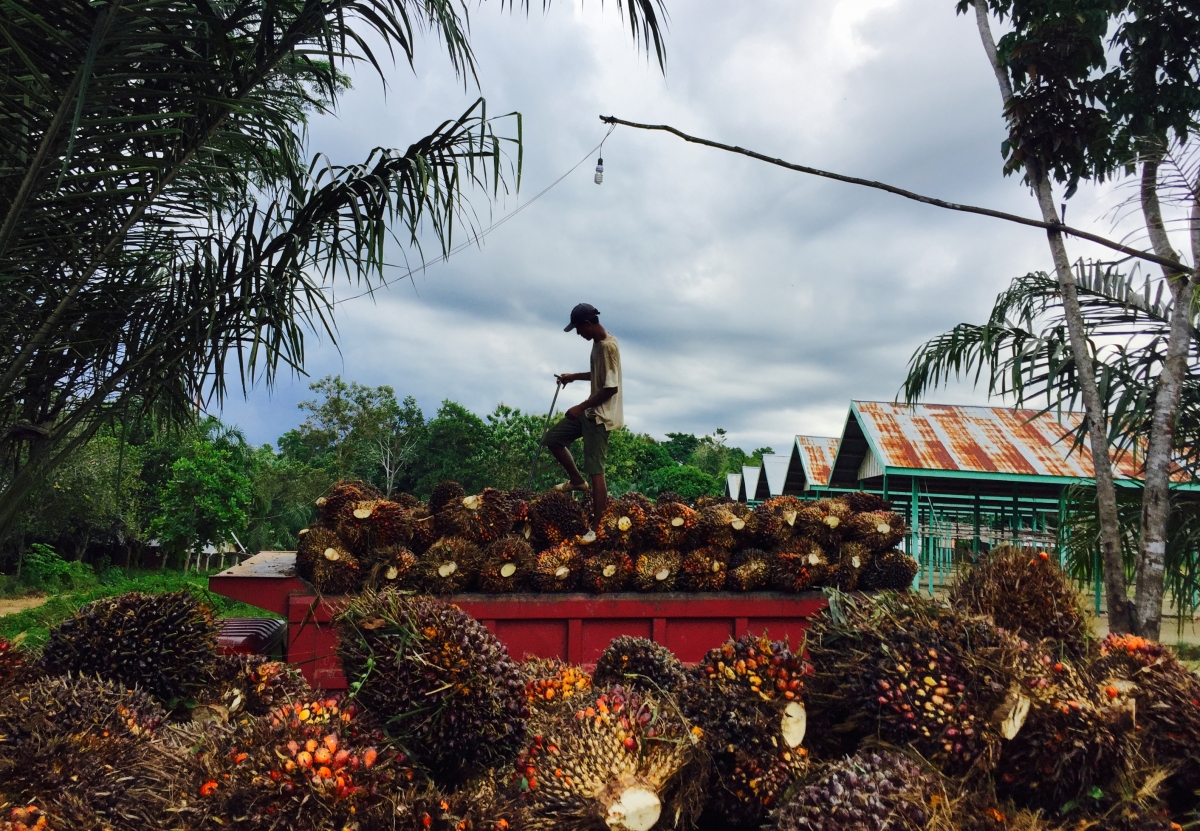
(595, 441)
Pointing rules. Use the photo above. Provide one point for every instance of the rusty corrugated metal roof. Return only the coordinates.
(981, 440)
(817, 454)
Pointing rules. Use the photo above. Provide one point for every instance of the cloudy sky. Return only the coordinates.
(744, 296)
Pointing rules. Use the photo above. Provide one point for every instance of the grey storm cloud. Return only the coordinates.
(745, 296)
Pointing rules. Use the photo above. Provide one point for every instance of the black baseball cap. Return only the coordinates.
(582, 313)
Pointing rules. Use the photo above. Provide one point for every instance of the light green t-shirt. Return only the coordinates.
(606, 374)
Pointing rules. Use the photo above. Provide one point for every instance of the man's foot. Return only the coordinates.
(568, 487)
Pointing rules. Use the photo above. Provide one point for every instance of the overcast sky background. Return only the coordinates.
(744, 296)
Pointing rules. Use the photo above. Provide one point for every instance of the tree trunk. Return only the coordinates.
(1156, 495)
(1120, 613)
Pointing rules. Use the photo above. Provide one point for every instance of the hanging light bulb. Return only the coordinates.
(600, 170)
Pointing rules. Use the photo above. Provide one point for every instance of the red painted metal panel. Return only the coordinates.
(598, 634)
(535, 638)
(691, 638)
(788, 629)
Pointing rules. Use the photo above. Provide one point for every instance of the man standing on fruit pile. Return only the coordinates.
(592, 419)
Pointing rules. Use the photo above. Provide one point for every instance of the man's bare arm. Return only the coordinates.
(567, 377)
(595, 401)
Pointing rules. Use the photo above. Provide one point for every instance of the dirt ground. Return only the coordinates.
(12, 605)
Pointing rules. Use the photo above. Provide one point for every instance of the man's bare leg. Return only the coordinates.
(568, 462)
(599, 500)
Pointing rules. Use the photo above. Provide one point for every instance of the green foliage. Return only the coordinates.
(680, 446)
(685, 480)
(632, 457)
(204, 500)
(44, 569)
(282, 496)
(35, 623)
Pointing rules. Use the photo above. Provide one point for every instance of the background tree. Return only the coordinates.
(163, 227)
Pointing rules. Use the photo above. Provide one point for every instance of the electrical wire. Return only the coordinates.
(475, 238)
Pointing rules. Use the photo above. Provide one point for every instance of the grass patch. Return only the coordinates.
(36, 623)
(1188, 651)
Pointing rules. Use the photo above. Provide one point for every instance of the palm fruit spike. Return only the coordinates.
(450, 566)
(885, 791)
(550, 684)
(518, 511)
(1167, 701)
(344, 494)
(392, 522)
(556, 517)
(336, 571)
(620, 763)
(751, 570)
(669, 498)
(424, 529)
(489, 516)
(881, 659)
(749, 699)
(1025, 591)
(623, 523)
(674, 526)
(160, 642)
(704, 569)
(799, 566)
(606, 570)
(444, 494)
(776, 519)
(1070, 740)
(507, 565)
(655, 571)
(892, 570)
(310, 545)
(307, 765)
(557, 569)
(393, 566)
(853, 557)
(718, 526)
(444, 684)
(251, 685)
(639, 664)
(877, 530)
(62, 705)
(862, 502)
(405, 500)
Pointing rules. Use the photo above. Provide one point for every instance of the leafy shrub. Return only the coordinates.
(45, 569)
(685, 480)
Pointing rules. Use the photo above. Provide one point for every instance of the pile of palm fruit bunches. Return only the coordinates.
(510, 541)
(992, 709)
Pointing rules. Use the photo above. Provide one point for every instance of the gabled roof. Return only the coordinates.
(957, 440)
(816, 455)
(733, 486)
(775, 469)
(754, 484)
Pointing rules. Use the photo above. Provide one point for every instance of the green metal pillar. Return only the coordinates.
(976, 543)
(915, 524)
(885, 487)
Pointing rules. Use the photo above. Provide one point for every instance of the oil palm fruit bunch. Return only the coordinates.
(507, 565)
(307, 765)
(1025, 592)
(424, 529)
(382, 522)
(1067, 743)
(673, 526)
(881, 791)
(445, 494)
(324, 560)
(445, 686)
(704, 569)
(1166, 698)
(252, 685)
(606, 570)
(551, 684)
(556, 517)
(406, 501)
(24, 818)
(557, 569)
(862, 502)
(450, 566)
(893, 570)
(489, 516)
(799, 565)
(77, 747)
(394, 565)
(162, 643)
(669, 498)
(750, 570)
(745, 534)
(853, 558)
(718, 526)
(624, 522)
(341, 498)
(912, 671)
(877, 530)
(655, 571)
(748, 697)
(706, 501)
(825, 521)
(639, 664)
(776, 519)
(618, 764)
(518, 511)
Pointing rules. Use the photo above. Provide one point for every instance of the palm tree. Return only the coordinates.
(161, 225)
